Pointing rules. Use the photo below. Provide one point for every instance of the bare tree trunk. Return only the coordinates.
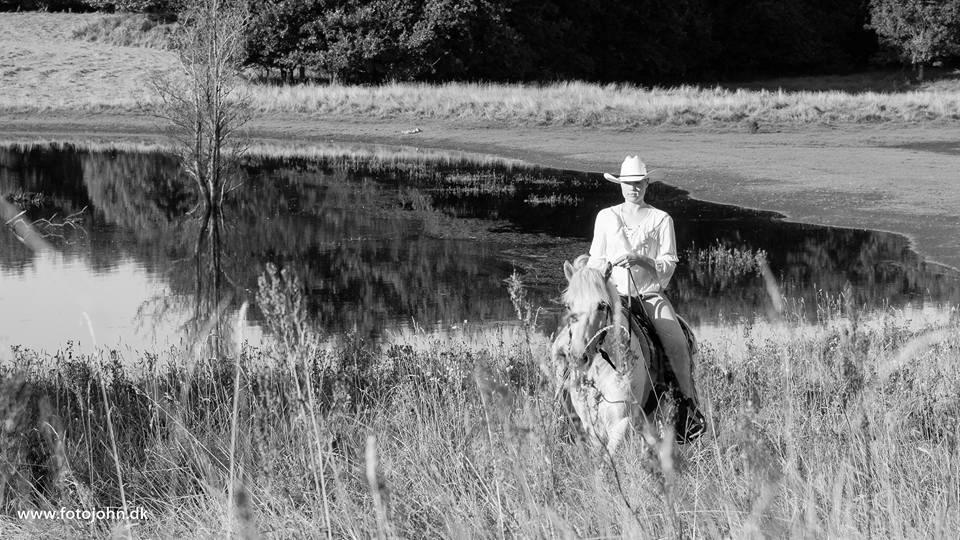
(205, 112)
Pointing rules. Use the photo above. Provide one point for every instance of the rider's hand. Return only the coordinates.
(622, 260)
(630, 259)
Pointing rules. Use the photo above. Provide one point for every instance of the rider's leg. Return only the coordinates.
(674, 341)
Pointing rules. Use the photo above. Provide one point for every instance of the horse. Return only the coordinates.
(610, 364)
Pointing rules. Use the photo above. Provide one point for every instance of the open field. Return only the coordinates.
(45, 68)
(847, 428)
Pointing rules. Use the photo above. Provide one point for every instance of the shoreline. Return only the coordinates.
(901, 179)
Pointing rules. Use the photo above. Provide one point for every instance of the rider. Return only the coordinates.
(639, 241)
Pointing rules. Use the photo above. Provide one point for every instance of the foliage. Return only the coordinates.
(369, 41)
(620, 40)
(163, 7)
(921, 30)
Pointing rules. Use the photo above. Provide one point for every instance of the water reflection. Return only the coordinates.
(380, 246)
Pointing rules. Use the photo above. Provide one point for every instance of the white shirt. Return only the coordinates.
(649, 233)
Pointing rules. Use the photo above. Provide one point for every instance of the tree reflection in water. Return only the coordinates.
(378, 245)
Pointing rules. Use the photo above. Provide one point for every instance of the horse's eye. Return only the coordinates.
(573, 318)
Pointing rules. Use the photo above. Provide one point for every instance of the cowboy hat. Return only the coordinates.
(632, 170)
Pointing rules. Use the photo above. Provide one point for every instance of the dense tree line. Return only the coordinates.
(642, 41)
(513, 40)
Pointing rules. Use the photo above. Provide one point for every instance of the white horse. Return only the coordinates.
(611, 365)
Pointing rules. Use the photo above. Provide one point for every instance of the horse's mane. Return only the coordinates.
(588, 285)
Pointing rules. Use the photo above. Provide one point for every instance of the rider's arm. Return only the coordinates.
(666, 259)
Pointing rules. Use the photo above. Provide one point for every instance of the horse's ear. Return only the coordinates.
(568, 270)
(607, 271)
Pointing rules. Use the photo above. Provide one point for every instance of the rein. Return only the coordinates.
(600, 336)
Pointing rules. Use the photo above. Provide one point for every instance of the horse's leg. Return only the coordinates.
(588, 414)
(616, 406)
(616, 433)
(614, 419)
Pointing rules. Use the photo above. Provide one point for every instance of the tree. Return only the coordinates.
(357, 41)
(203, 106)
(921, 30)
(204, 111)
(461, 39)
(279, 36)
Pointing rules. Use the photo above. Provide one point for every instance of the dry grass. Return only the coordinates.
(820, 431)
(127, 30)
(586, 104)
(45, 69)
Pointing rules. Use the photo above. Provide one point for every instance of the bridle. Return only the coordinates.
(598, 337)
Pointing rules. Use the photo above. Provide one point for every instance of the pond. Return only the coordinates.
(384, 245)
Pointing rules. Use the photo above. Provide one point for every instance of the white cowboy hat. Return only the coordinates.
(631, 170)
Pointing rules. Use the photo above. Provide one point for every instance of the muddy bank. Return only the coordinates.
(903, 179)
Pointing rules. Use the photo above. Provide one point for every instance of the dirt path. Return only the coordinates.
(903, 179)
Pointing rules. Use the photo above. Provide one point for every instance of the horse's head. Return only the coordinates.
(592, 308)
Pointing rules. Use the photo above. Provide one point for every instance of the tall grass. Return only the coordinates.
(618, 105)
(828, 431)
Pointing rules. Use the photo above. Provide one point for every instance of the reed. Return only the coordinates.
(720, 266)
(369, 156)
(553, 199)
